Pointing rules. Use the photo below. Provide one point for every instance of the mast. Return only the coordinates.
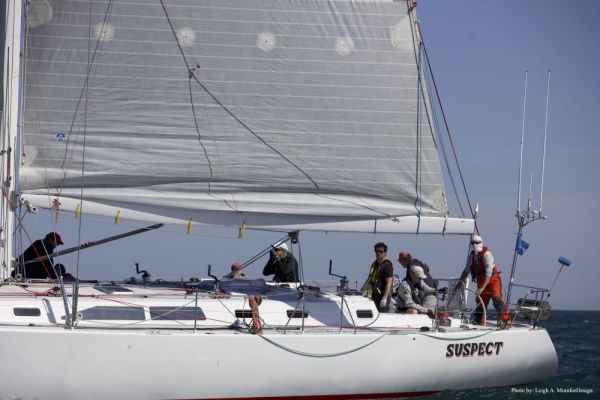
(9, 152)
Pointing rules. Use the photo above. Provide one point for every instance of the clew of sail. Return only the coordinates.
(312, 114)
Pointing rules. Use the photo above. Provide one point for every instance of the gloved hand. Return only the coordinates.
(430, 314)
(443, 290)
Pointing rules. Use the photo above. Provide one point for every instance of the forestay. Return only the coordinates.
(268, 112)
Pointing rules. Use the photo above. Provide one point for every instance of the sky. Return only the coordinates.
(479, 50)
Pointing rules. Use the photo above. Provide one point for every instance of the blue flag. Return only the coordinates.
(522, 245)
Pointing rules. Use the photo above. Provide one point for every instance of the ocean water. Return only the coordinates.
(576, 337)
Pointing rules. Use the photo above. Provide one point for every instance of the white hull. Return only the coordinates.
(54, 363)
(136, 362)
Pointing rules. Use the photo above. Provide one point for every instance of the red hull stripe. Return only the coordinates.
(329, 396)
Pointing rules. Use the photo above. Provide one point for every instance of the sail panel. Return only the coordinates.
(305, 108)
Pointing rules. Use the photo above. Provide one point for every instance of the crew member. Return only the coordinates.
(423, 286)
(378, 285)
(282, 264)
(484, 272)
(40, 250)
(408, 300)
(236, 270)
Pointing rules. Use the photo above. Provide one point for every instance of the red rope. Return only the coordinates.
(254, 301)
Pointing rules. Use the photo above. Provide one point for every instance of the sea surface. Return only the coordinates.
(576, 336)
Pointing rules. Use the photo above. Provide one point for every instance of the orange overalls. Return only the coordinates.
(492, 291)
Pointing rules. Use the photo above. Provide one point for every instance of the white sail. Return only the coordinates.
(267, 112)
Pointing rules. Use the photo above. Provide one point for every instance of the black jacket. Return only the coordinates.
(285, 268)
(40, 269)
(429, 280)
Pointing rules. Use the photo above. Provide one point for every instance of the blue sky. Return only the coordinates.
(479, 50)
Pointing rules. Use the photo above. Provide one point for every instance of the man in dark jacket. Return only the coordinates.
(41, 248)
(282, 264)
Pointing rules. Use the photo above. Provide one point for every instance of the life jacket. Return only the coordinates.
(478, 265)
(428, 280)
(414, 293)
(374, 285)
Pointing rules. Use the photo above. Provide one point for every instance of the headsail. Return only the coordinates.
(272, 112)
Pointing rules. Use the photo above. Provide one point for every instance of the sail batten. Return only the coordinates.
(290, 111)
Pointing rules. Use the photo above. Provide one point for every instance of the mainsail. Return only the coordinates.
(307, 113)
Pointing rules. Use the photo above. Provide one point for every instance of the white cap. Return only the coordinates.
(476, 238)
(282, 246)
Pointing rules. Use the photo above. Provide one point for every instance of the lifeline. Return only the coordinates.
(473, 349)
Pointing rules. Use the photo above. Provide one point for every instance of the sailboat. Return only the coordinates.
(257, 114)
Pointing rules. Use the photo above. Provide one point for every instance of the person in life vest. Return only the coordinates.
(378, 285)
(484, 272)
(422, 285)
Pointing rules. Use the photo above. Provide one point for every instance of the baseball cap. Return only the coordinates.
(236, 266)
(55, 236)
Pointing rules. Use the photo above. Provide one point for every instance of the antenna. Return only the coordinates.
(529, 198)
(525, 217)
(522, 141)
(545, 135)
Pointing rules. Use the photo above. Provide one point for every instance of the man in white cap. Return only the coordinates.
(484, 272)
(282, 264)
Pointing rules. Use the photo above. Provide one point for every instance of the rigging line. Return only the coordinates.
(367, 206)
(210, 129)
(447, 164)
(418, 61)
(430, 113)
(471, 209)
(191, 73)
(226, 109)
(443, 149)
(247, 128)
(208, 123)
(321, 355)
(85, 109)
(419, 175)
(85, 86)
(486, 332)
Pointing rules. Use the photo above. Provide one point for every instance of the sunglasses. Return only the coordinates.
(475, 242)
(379, 251)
